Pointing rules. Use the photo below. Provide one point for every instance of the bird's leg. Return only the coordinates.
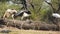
(13, 19)
(22, 18)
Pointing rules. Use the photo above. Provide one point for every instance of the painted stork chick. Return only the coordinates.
(24, 14)
(8, 13)
(56, 15)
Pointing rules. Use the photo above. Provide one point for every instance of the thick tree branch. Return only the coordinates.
(37, 25)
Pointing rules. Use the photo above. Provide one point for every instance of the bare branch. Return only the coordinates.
(54, 10)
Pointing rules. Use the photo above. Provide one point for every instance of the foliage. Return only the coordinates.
(36, 11)
(41, 11)
(4, 6)
(55, 4)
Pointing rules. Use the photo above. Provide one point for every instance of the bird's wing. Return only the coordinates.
(19, 14)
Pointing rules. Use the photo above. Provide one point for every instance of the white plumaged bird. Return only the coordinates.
(56, 15)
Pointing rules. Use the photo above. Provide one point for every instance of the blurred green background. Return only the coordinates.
(41, 12)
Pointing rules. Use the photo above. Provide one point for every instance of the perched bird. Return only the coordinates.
(23, 14)
(56, 15)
